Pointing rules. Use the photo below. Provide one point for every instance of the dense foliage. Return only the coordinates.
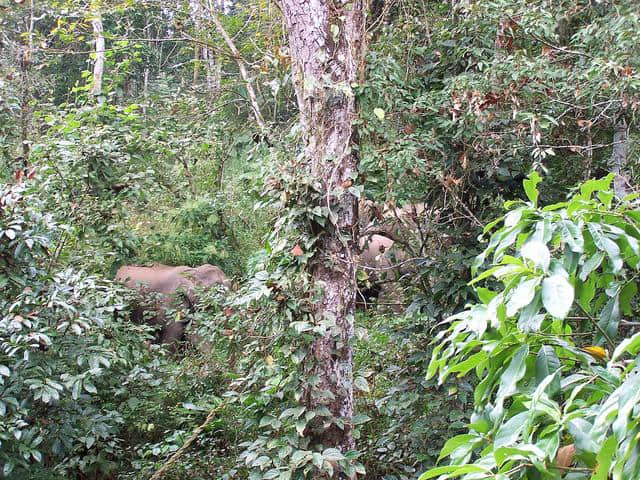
(508, 338)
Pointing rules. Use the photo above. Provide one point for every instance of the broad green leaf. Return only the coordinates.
(509, 431)
(572, 235)
(603, 242)
(608, 320)
(360, 383)
(379, 113)
(452, 471)
(530, 319)
(590, 186)
(629, 291)
(485, 295)
(537, 252)
(456, 442)
(580, 430)
(586, 292)
(470, 363)
(547, 363)
(521, 452)
(332, 455)
(557, 295)
(630, 345)
(531, 187)
(522, 295)
(591, 264)
(513, 373)
(603, 459)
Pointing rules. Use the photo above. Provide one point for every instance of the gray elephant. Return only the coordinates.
(381, 263)
(162, 288)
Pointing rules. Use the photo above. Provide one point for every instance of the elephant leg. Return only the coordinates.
(172, 334)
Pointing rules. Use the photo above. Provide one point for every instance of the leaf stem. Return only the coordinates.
(612, 345)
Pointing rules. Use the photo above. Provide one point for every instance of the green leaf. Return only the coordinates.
(572, 235)
(333, 455)
(522, 452)
(629, 291)
(456, 442)
(89, 387)
(557, 295)
(591, 264)
(452, 471)
(606, 244)
(603, 459)
(608, 320)
(592, 185)
(530, 187)
(470, 363)
(378, 112)
(513, 373)
(586, 292)
(530, 319)
(509, 431)
(361, 384)
(537, 252)
(547, 363)
(485, 295)
(522, 295)
(628, 345)
(580, 429)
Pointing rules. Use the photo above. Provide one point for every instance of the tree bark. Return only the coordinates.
(327, 43)
(619, 159)
(98, 65)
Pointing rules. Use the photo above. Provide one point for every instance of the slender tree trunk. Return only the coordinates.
(145, 90)
(25, 94)
(98, 65)
(196, 63)
(327, 42)
(213, 71)
(253, 99)
(619, 159)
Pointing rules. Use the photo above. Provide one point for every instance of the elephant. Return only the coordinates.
(379, 260)
(172, 287)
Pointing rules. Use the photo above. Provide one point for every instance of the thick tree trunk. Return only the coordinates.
(98, 66)
(327, 42)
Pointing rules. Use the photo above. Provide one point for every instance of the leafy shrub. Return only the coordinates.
(554, 376)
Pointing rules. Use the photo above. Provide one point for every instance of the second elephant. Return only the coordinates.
(162, 288)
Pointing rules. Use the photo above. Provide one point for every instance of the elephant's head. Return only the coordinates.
(379, 259)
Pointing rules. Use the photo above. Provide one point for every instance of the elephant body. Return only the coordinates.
(379, 259)
(163, 287)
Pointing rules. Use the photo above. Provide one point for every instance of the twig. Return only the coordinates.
(598, 327)
(174, 458)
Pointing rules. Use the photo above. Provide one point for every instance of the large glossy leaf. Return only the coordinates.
(547, 363)
(522, 295)
(609, 319)
(452, 471)
(509, 432)
(513, 373)
(537, 252)
(531, 187)
(604, 243)
(557, 295)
